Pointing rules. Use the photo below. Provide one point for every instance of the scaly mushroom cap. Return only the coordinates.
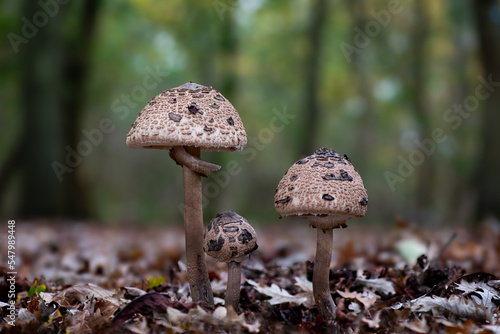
(229, 237)
(324, 187)
(188, 115)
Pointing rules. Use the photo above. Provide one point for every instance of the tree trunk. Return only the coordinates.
(425, 172)
(229, 55)
(312, 66)
(42, 129)
(460, 190)
(365, 134)
(53, 78)
(75, 68)
(488, 176)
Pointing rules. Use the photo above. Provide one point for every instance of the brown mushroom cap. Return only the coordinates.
(188, 115)
(324, 187)
(229, 237)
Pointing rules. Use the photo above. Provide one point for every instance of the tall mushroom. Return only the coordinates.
(325, 189)
(230, 238)
(185, 120)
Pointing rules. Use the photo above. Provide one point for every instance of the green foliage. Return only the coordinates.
(155, 281)
(36, 288)
(255, 53)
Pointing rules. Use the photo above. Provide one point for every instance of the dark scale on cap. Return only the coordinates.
(301, 162)
(344, 176)
(327, 152)
(284, 200)
(206, 128)
(245, 236)
(230, 121)
(328, 197)
(294, 177)
(218, 97)
(174, 100)
(324, 154)
(364, 201)
(153, 103)
(216, 106)
(211, 120)
(215, 245)
(198, 96)
(248, 251)
(315, 164)
(231, 239)
(233, 248)
(209, 227)
(216, 229)
(291, 188)
(329, 165)
(174, 117)
(134, 125)
(230, 229)
(193, 108)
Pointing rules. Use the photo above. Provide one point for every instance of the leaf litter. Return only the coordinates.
(77, 278)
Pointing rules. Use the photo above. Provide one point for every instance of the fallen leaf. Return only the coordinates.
(279, 296)
(374, 322)
(378, 285)
(458, 305)
(367, 298)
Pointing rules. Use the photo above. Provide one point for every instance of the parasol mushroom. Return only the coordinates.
(186, 120)
(230, 238)
(325, 189)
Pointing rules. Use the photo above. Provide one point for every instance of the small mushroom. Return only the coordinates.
(170, 122)
(230, 238)
(327, 195)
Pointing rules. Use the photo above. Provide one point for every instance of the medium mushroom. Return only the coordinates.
(325, 189)
(230, 238)
(185, 120)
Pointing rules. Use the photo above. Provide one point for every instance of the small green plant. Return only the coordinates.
(156, 281)
(36, 288)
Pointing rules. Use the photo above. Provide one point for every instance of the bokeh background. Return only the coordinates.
(409, 90)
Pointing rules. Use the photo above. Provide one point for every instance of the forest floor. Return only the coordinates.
(91, 278)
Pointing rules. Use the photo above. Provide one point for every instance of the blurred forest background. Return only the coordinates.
(409, 90)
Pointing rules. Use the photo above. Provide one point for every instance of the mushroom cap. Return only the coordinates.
(229, 237)
(324, 187)
(188, 115)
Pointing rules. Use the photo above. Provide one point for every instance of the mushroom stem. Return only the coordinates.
(321, 273)
(182, 157)
(233, 284)
(199, 282)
